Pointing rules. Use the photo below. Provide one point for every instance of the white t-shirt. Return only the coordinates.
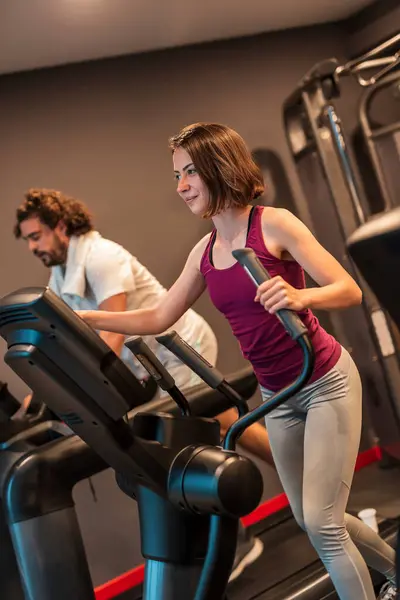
(98, 269)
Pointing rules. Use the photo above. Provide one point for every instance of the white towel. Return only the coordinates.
(72, 281)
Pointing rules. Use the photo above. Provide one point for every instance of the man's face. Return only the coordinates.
(50, 245)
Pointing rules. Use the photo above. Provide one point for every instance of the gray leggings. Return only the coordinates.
(315, 439)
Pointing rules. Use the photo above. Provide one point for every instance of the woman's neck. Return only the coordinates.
(231, 222)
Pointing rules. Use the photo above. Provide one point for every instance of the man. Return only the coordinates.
(91, 272)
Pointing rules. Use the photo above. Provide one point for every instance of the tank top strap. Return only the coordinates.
(256, 241)
(205, 263)
(255, 238)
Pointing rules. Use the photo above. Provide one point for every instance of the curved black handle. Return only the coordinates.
(148, 359)
(191, 358)
(222, 539)
(249, 261)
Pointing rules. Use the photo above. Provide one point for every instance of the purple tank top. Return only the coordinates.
(274, 356)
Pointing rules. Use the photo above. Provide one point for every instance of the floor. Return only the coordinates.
(373, 487)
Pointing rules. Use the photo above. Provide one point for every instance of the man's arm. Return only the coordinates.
(109, 274)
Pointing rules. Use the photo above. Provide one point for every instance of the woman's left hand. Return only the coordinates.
(276, 293)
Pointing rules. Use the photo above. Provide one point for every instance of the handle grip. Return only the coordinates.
(191, 358)
(150, 362)
(249, 261)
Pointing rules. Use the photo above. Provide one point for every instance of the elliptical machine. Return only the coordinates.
(189, 490)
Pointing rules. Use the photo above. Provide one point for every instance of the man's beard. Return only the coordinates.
(57, 256)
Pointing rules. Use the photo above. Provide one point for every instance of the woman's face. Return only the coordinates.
(190, 186)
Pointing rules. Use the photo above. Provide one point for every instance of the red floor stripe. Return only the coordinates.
(131, 579)
(120, 584)
(267, 508)
(368, 457)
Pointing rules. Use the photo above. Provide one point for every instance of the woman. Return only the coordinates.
(314, 436)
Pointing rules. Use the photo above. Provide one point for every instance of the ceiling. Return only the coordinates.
(45, 33)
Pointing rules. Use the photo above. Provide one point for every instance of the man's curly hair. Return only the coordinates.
(51, 207)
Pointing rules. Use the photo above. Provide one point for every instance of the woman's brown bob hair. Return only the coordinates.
(224, 163)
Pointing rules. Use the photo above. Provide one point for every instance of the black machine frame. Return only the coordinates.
(375, 248)
(318, 145)
(374, 136)
(46, 537)
(16, 443)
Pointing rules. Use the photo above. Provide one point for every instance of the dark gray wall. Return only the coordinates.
(376, 23)
(99, 131)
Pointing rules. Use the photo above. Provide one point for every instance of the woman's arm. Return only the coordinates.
(115, 303)
(172, 306)
(290, 236)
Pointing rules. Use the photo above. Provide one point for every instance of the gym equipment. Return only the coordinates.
(17, 438)
(163, 476)
(45, 531)
(332, 195)
(92, 391)
(382, 142)
(15, 444)
(375, 248)
(36, 312)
